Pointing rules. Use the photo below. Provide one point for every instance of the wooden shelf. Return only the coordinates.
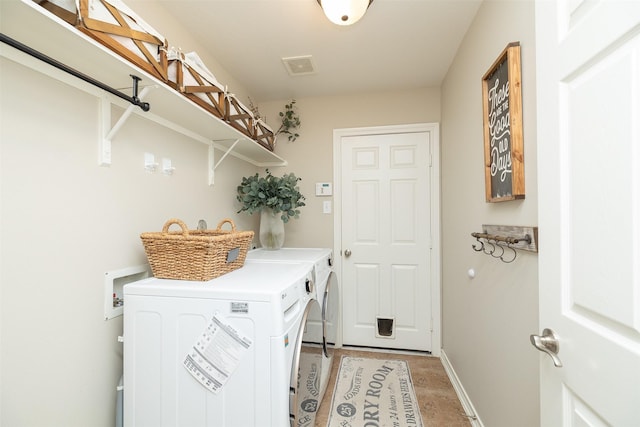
(31, 25)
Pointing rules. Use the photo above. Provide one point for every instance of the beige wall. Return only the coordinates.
(311, 156)
(487, 320)
(65, 221)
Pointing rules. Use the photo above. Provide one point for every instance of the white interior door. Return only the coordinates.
(385, 239)
(588, 69)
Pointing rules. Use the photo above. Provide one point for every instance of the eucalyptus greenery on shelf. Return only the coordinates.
(280, 194)
(254, 110)
(290, 121)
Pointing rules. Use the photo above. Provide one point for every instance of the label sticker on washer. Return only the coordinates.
(216, 354)
(240, 307)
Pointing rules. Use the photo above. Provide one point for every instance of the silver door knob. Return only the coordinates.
(549, 344)
(347, 253)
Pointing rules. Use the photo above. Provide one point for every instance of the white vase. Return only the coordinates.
(271, 229)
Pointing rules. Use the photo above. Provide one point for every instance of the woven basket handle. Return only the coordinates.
(221, 223)
(169, 223)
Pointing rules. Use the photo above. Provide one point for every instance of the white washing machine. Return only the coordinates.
(221, 353)
(321, 328)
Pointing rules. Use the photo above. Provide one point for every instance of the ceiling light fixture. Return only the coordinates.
(344, 12)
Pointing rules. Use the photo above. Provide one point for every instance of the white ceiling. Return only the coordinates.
(398, 44)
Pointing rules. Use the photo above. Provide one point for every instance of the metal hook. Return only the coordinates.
(515, 254)
(502, 253)
(481, 248)
(492, 250)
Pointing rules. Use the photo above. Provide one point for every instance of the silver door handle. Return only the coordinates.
(548, 343)
(347, 253)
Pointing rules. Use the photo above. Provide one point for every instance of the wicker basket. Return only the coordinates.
(196, 254)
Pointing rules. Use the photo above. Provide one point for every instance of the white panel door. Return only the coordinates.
(385, 240)
(588, 68)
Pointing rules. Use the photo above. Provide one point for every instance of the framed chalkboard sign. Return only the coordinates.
(503, 144)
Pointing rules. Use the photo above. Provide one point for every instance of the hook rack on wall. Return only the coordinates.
(494, 239)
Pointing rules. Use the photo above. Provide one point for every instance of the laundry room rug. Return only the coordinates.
(309, 387)
(374, 392)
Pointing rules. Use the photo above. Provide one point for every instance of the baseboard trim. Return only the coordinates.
(385, 350)
(465, 401)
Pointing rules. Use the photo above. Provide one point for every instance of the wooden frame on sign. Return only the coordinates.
(502, 123)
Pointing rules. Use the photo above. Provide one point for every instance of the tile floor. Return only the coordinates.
(439, 404)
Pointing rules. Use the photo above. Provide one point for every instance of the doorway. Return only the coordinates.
(386, 234)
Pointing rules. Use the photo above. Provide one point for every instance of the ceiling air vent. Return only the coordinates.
(299, 65)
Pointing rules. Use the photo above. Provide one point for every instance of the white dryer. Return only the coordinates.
(320, 329)
(221, 353)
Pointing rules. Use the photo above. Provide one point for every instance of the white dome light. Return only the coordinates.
(344, 12)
